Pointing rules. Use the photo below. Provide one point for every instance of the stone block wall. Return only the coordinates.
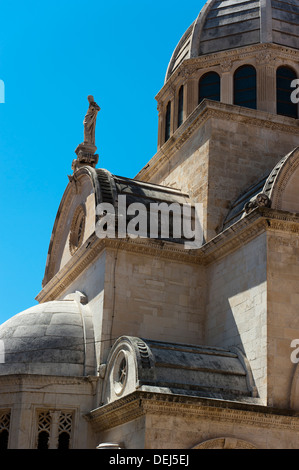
(283, 318)
(130, 435)
(237, 306)
(241, 153)
(155, 298)
(218, 153)
(210, 430)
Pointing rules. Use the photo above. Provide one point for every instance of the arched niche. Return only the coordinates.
(225, 443)
(283, 183)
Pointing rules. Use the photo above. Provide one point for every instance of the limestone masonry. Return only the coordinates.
(142, 343)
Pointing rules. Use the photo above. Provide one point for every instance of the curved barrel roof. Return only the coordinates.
(225, 25)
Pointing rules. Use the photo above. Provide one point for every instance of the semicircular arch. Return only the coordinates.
(225, 443)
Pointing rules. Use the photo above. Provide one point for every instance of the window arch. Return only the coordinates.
(43, 440)
(284, 77)
(4, 429)
(209, 87)
(54, 429)
(181, 106)
(245, 86)
(63, 440)
(167, 121)
(3, 439)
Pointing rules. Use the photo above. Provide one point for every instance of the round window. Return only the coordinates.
(120, 372)
(77, 229)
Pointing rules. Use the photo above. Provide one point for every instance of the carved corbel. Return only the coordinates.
(266, 58)
(226, 66)
(261, 200)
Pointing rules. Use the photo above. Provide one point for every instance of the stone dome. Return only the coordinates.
(48, 339)
(231, 24)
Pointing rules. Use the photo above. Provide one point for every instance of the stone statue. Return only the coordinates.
(90, 121)
(86, 150)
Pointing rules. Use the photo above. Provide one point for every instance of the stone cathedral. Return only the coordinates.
(142, 343)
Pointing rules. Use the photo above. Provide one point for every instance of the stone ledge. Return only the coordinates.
(255, 223)
(141, 403)
(265, 53)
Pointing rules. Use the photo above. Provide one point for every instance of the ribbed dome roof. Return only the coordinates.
(47, 339)
(224, 25)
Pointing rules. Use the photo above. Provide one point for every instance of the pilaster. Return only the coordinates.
(192, 95)
(266, 82)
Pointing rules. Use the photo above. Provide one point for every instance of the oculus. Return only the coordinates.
(120, 372)
(77, 229)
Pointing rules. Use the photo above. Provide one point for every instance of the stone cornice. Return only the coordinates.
(264, 53)
(95, 247)
(31, 381)
(141, 403)
(255, 223)
(258, 221)
(236, 235)
(217, 110)
(280, 220)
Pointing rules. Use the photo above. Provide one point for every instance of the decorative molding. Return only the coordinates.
(140, 403)
(258, 221)
(288, 168)
(226, 66)
(266, 58)
(225, 443)
(236, 235)
(260, 200)
(267, 53)
(77, 228)
(62, 213)
(115, 413)
(94, 247)
(144, 354)
(32, 382)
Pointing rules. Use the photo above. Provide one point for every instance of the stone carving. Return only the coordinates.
(86, 151)
(266, 57)
(90, 121)
(144, 355)
(226, 65)
(261, 200)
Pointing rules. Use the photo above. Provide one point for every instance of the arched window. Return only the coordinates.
(43, 440)
(4, 429)
(284, 77)
(245, 86)
(209, 87)
(44, 429)
(181, 106)
(3, 439)
(63, 441)
(167, 121)
(64, 430)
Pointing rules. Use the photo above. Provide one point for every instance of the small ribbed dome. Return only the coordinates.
(47, 339)
(224, 25)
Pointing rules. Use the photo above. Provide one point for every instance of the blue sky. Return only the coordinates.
(52, 55)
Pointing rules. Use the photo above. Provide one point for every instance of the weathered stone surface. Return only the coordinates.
(222, 26)
(52, 344)
(145, 344)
